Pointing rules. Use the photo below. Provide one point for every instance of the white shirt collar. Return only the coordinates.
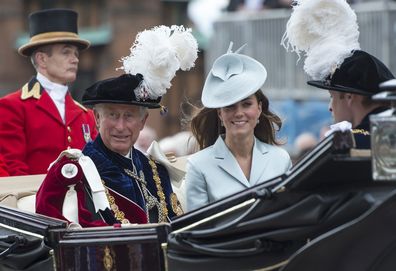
(55, 90)
(128, 155)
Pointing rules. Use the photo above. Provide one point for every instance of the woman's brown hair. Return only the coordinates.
(206, 126)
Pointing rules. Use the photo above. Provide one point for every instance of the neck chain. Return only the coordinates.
(151, 201)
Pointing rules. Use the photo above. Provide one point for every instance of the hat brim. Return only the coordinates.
(27, 49)
(226, 97)
(232, 87)
(104, 101)
(322, 85)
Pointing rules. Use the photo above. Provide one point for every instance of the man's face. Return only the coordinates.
(119, 125)
(339, 106)
(60, 63)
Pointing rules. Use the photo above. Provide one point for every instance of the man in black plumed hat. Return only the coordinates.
(41, 119)
(335, 62)
(126, 172)
(121, 106)
(351, 87)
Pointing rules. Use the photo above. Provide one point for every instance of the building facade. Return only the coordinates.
(111, 26)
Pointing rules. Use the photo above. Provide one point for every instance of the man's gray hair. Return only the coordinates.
(47, 49)
(142, 109)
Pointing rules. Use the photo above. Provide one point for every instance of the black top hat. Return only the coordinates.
(119, 90)
(52, 26)
(360, 73)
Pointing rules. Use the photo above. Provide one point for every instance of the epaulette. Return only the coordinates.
(31, 89)
(360, 131)
(81, 106)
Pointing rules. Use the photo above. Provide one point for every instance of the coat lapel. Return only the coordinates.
(46, 104)
(228, 163)
(259, 162)
(72, 110)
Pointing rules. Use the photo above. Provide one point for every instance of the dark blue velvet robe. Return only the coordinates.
(111, 167)
(361, 132)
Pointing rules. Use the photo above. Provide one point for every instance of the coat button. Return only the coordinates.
(69, 139)
(68, 129)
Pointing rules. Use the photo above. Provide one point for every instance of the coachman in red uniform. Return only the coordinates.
(41, 119)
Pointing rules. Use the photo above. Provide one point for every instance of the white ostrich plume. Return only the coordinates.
(326, 31)
(186, 46)
(157, 54)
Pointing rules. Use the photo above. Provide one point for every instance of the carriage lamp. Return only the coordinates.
(383, 135)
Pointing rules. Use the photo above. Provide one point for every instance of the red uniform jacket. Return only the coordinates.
(3, 167)
(32, 133)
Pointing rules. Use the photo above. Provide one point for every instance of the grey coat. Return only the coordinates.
(213, 173)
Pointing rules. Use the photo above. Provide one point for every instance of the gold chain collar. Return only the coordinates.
(162, 208)
(119, 215)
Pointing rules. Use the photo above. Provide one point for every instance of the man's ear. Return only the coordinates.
(40, 59)
(351, 98)
(144, 119)
(97, 116)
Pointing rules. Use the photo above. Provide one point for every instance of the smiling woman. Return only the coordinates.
(235, 131)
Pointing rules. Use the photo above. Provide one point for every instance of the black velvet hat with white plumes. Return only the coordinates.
(154, 58)
(360, 73)
(118, 90)
(327, 33)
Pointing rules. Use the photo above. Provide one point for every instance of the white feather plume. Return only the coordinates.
(157, 55)
(326, 31)
(186, 46)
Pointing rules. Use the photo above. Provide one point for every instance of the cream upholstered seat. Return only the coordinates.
(20, 191)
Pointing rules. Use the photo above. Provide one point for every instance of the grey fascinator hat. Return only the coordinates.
(233, 77)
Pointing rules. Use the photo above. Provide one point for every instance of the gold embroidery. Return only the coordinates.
(160, 192)
(176, 207)
(28, 93)
(119, 215)
(107, 259)
(360, 131)
(81, 106)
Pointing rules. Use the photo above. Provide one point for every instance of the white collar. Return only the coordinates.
(56, 91)
(128, 155)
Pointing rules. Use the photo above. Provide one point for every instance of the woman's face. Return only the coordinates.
(241, 118)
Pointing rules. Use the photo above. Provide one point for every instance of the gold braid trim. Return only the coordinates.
(119, 215)
(360, 131)
(176, 207)
(160, 191)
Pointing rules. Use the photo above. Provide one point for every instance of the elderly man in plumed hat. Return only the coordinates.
(138, 187)
(121, 109)
(42, 119)
(326, 31)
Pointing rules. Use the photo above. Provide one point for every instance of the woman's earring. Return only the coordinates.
(258, 121)
(221, 123)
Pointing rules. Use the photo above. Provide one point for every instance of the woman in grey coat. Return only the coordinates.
(235, 131)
